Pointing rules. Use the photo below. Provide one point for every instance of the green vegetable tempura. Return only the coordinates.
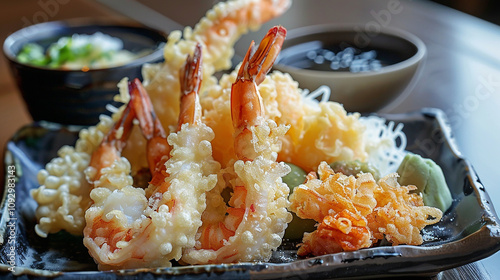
(297, 226)
(354, 167)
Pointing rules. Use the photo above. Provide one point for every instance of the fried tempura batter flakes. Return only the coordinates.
(400, 215)
(356, 212)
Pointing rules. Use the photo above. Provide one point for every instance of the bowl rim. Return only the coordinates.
(335, 27)
(84, 22)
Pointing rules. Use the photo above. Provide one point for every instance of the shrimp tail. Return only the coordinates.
(121, 130)
(113, 143)
(190, 79)
(262, 60)
(152, 129)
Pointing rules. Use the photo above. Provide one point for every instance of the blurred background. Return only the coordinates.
(20, 13)
(486, 9)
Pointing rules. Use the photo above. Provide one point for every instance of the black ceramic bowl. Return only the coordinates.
(399, 53)
(74, 96)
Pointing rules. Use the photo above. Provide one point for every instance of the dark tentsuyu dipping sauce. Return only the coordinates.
(315, 56)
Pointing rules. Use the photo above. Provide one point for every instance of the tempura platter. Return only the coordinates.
(469, 231)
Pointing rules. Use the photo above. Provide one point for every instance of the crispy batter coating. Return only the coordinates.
(127, 229)
(400, 215)
(344, 231)
(324, 132)
(63, 195)
(355, 213)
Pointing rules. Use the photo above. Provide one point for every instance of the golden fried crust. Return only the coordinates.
(355, 213)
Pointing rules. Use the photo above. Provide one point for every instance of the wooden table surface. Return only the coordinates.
(461, 74)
